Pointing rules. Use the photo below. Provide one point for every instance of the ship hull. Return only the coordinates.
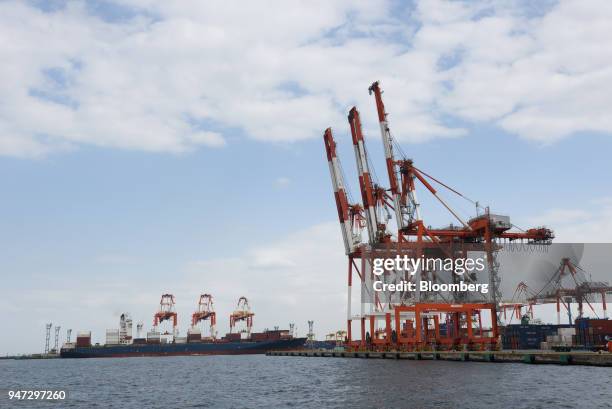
(195, 348)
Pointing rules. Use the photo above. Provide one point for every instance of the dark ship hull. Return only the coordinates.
(174, 349)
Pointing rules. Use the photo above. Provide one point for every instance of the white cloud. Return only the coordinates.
(543, 78)
(592, 223)
(208, 138)
(157, 79)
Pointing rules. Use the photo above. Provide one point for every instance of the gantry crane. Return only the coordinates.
(579, 289)
(242, 313)
(413, 236)
(205, 311)
(166, 312)
(519, 300)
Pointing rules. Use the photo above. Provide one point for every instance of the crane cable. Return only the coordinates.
(403, 155)
(476, 203)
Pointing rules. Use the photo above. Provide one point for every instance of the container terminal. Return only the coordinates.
(240, 340)
(416, 322)
(451, 324)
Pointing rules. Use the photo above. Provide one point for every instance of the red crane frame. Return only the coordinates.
(242, 313)
(166, 312)
(412, 233)
(205, 311)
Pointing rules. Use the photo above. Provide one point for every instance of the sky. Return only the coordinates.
(150, 147)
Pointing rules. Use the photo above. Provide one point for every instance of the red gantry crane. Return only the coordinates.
(166, 312)
(242, 313)
(415, 321)
(519, 300)
(205, 312)
(579, 289)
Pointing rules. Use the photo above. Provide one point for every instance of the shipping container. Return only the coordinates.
(83, 341)
(521, 336)
(593, 333)
(259, 336)
(233, 337)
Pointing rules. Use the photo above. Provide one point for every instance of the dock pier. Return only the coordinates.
(516, 356)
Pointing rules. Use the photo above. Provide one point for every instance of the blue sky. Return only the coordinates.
(131, 165)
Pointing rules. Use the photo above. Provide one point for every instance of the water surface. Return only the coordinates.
(258, 381)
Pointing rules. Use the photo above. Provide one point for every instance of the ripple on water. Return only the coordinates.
(258, 381)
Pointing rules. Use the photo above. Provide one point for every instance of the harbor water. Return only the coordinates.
(258, 381)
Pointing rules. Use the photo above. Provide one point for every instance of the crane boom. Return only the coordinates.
(399, 207)
(365, 180)
(351, 239)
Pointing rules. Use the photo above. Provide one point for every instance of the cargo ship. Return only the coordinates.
(119, 342)
(258, 343)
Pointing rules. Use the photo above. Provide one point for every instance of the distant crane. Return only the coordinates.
(242, 313)
(47, 336)
(338, 337)
(205, 311)
(68, 335)
(166, 312)
(579, 289)
(56, 344)
(519, 299)
(310, 337)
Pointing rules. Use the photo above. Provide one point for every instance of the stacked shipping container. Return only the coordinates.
(589, 333)
(153, 337)
(527, 336)
(112, 337)
(593, 333)
(83, 339)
